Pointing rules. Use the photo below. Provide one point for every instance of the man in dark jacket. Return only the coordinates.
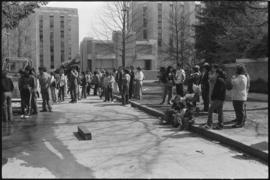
(218, 96)
(7, 88)
(131, 84)
(205, 86)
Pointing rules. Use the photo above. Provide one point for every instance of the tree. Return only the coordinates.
(229, 30)
(119, 17)
(14, 11)
(180, 45)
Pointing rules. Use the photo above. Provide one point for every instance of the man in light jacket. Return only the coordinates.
(139, 77)
(239, 94)
(180, 77)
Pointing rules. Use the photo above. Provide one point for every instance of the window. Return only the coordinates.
(159, 42)
(41, 41)
(159, 24)
(145, 34)
(147, 64)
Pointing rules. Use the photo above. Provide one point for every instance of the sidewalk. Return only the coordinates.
(254, 134)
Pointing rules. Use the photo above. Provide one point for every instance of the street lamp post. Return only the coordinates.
(124, 36)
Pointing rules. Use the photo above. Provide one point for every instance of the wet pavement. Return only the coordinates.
(127, 143)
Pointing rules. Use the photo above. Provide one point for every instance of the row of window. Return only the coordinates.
(62, 35)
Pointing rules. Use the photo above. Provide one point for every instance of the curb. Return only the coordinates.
(208, 134)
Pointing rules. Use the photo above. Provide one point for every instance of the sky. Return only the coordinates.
(88, 12)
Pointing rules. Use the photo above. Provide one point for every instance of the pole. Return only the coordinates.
(124, 37)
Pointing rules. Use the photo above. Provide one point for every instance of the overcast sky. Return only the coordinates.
(88, 15)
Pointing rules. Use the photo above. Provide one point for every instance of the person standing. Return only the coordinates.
(218, 97)
(169, 85)
(84, 83)
(139, 77)
(239, 94)
(95, 82)
(62, 84)
(119, 79)
(125, 90)
(132, 83)
(45, 80)
(6, 93)
(88, 82)
(53, 87)
(26, 93)
(34, 96)
(205, 86)
(212, 76)
(180, 77)
(74, 85)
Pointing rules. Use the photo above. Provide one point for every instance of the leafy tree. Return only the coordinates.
(14, 11)
(230, 30)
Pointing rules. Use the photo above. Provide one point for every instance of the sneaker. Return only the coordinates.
(238, 125)
(22, 116)
(218, 127)
(26, 116)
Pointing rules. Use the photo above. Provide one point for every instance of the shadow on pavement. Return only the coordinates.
(37, 147)
(263, 146)
(182, 135)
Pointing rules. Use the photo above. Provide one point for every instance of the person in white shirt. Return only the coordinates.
(139, 77)
(239, 94)
(180, 77)
(62, 84)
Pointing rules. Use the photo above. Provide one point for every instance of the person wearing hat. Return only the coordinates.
(205, 86)
(139, 77)
(6, 93)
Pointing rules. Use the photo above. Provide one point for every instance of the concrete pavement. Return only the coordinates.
(127, 143)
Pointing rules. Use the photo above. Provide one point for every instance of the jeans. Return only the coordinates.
(125, 95)
(34, 102)
(83, 92)
(53, 94)
(205, 97)
(108, 94)
(46, 99)
(239, 111)
(167, 90)
(95, 89)
(6, 106)
(138, 88)
(25, 95)
(62, 93)
(216, 105)
(179, 89)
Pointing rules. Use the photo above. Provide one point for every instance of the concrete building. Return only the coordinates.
(99, 54)
(153, 22)
(50, 36)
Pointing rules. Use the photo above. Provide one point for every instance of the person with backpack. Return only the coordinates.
(218, 97)
(6, 100)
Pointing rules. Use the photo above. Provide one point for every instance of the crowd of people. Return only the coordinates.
(210, 82)
(55, 86)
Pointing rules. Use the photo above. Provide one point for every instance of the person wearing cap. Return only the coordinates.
(6, 93)
(139, 77)
(205, 86)
(180, 77)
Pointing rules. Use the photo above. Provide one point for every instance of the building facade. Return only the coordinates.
(106, 54)
(49, 37)
(154, 21)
